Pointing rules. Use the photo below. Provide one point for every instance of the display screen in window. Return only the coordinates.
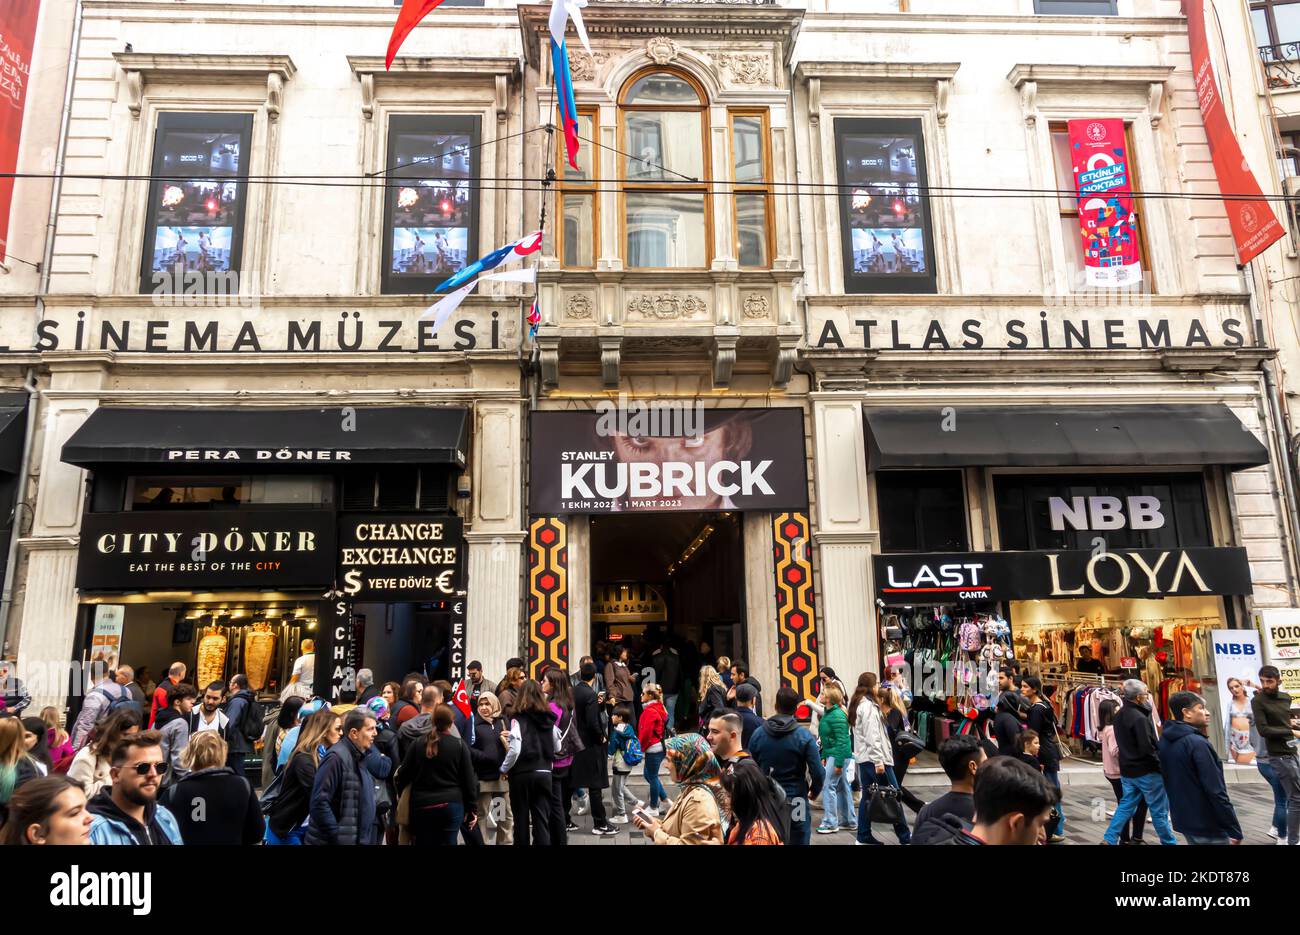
(885, 217)
(433, 169)
(196, 201)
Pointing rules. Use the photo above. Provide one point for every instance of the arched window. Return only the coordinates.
(663, 132)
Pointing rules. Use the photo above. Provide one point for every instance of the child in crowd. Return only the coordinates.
(626, 751)
(1027, 747)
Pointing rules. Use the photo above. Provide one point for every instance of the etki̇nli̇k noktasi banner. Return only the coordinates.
(1107, 222)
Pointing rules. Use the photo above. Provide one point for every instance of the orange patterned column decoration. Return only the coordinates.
(796, 622)
(548, 594)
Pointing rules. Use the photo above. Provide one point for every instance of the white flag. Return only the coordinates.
(561, 12)
(441, 310)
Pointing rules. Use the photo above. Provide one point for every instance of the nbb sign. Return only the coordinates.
(1105, 513)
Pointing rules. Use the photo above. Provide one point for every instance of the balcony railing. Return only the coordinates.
(1281, 64)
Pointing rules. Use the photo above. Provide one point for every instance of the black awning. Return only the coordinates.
(13, 431)
(1059, 436)
(271, 437)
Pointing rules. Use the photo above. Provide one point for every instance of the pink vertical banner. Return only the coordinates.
(1107, 222)
(17, 36)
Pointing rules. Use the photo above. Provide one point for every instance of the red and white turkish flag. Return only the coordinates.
(461, 699)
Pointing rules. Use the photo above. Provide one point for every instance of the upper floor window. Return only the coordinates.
(1076, 7)
(578, 231)
(884, 213)
(431, 203)
(1277, 26)
(664, 136)
(228, 492)
(921, 511)
(1068, 208)
(752, 204)
(195, 227)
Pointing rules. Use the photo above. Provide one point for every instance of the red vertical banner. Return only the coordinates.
(1254, 225)
(17, 37)
(1107, 222)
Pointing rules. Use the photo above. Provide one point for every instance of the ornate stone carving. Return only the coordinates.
(134, 92)
(666, 306)
(579, 307)
(584, 66)
(661, 50)
(746, 69)
(274, 96)
(755, 306)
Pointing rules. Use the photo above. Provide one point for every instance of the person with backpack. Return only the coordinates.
(244, 716)
(531, 743)
(211, 804)
(173, 726)
(559, 697)
(788, 753)
(92, 767)
(286, 803)
(625, 751)
(342, 809)
(109, 696)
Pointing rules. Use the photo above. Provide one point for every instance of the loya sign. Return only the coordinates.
(1148, 573)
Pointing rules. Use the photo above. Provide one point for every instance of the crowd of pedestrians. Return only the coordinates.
(510, 762)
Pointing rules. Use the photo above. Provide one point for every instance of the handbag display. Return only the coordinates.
(884, 805)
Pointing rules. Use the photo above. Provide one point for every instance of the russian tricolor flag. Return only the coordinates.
(561, 12)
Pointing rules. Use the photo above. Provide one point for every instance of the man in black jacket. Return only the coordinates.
(239, 732)
(590, 770)
(740, 676)
(788, 753)
(668, 674)
(1272, 710)
(342, 809)
(1198, 797)
(1139, 765)
(1007, 723)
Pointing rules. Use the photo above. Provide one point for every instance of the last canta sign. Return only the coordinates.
(1147, 573)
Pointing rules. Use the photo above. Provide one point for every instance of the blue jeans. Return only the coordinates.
(801, 831)
(293, 837)
(867, 775)
(1058, 826)
(837, 797)
(1150, 788)
(652, 763)
(1198, 839)
(437, 824)
(1279, 797)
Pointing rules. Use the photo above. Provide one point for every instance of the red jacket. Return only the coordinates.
(650, 729)
(160, 698)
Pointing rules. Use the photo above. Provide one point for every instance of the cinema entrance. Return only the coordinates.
(675, 578)
(690, 534)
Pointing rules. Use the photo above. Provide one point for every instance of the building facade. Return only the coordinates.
(818, 375)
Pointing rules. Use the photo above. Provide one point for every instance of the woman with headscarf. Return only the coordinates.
(696, 816)
(487, 753)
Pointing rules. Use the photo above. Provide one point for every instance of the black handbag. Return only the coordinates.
(906, 746)
(884, 805)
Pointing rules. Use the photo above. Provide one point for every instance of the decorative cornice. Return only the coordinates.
(724, 21)
(409, 68)
(143, 67)
(880, 71)
(1063, 75)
